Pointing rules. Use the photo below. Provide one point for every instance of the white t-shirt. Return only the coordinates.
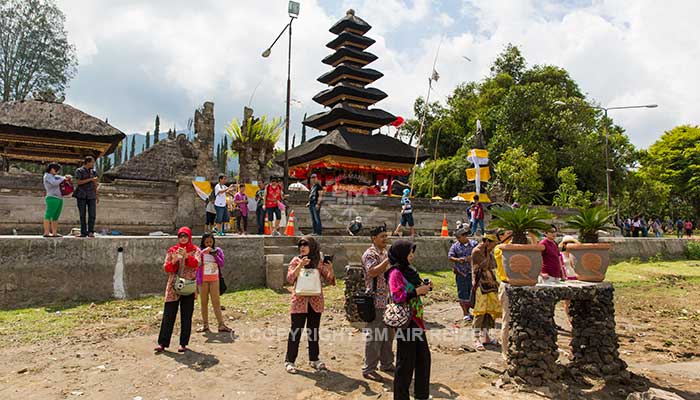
(220, 191)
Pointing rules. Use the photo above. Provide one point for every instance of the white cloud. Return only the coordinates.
(141, 58)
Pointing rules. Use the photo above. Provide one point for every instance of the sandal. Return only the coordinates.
(493, 342)
(159, 349)
(290, 368)
(318, 365)
(182, 349)
(225, 329)
(478, 346)
(204, 328)
(47, 236)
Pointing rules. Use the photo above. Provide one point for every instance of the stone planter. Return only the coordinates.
(522, 263)
(592, 260)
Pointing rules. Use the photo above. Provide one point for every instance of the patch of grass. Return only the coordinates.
(676, 279)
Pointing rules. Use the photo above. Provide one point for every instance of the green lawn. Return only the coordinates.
(119, 317)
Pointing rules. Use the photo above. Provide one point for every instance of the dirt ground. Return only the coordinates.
(94, 363)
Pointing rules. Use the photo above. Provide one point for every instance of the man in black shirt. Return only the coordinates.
(314, 204)
(86, 195)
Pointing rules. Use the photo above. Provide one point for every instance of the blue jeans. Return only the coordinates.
(260, 215)
(478, 223)
(315, 218)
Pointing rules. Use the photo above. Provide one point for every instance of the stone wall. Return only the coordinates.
(135, 207)
(44, 271)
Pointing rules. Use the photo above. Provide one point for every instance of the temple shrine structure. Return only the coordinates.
(349, 157)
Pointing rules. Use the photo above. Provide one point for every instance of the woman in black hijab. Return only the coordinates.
(412, 351)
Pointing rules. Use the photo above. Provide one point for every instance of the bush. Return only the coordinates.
(692, 250)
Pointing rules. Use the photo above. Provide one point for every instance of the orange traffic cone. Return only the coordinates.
(289, 231)
(444, 232)
(268, 229)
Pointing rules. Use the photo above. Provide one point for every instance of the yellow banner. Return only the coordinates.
(484, 174)
(483, 197)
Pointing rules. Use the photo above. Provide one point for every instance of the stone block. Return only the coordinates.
(275, 271)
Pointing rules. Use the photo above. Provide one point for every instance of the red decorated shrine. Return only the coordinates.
(348, 157)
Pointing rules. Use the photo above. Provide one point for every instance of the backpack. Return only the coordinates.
(66, 188)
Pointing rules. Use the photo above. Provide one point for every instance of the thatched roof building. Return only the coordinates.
(42, 131)
(165, 161)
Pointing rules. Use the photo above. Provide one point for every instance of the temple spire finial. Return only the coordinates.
(350, 12)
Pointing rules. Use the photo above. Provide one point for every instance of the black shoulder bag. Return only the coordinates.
(365, 303)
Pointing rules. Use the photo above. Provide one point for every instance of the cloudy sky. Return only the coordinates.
(140, 58)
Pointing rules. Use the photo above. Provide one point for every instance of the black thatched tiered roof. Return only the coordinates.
(348, 97)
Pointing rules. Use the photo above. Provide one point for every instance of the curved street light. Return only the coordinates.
(605, 126)
(293, 10)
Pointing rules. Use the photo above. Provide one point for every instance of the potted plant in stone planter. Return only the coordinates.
(522, 262)
(592, 258)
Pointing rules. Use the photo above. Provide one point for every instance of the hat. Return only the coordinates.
(568, 239)
(358, 219)
(314, 176)
(377, 230)
(406, 192)
(491, 237)
(460, 232)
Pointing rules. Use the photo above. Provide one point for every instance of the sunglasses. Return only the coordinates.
(302, 244)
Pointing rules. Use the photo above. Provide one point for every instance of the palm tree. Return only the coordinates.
(254, 143)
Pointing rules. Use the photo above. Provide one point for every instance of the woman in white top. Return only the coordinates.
(569, 261)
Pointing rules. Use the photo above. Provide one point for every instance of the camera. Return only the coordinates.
(328, 258)
(426, 282)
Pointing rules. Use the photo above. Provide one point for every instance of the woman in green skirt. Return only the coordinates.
(54, 199)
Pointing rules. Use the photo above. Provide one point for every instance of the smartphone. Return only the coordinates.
(328, 259)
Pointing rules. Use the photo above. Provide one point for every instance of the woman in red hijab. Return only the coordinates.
(182, 260)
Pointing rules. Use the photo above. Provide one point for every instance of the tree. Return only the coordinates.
(254, 143)
(510, 62)
(132, 152)
(126, 150)
(148, 139)
(106, 164)
(568, 195)
(118, 155)
(674, 160)
(518, 175)
(35, 54)
(303, 131)
(156, 131)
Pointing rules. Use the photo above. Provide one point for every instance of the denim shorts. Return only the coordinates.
(464, 287)
(273, 211)
(221, 214)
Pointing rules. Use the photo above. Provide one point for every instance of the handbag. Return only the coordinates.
(66, 188)
(308, 282)
(182, 286)
(236, 212)
(365, 303)
(397, 315)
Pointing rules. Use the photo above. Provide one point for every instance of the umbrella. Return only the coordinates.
(298, 186)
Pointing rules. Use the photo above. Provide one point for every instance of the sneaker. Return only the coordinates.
(468, 318)
(372, 376)
(318, 365)
(290, 368)
(276, 233)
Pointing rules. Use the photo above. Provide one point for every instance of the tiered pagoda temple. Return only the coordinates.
(349, 157)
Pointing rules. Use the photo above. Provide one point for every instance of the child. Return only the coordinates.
(208, 281)
(484, 292)
(210, 213)
(406, 214)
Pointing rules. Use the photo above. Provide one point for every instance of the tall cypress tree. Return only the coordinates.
(303, 131)
(118, 155)
(132, 152)
(156, 132)
(126, 150)
(224, 155)
(148, 139)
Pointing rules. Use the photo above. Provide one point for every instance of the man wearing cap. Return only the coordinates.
(314, 204)
(378, 337)
(355, 226)
(461, 254)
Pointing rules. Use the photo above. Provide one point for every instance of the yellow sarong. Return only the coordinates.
(487, 304)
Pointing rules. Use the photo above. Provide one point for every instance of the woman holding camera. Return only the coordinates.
(208, 281)
(412, 351)
(181, 260)
(307, 310)
(54, 198)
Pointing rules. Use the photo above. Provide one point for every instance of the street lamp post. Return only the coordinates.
(608, 199)
(293, 13)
